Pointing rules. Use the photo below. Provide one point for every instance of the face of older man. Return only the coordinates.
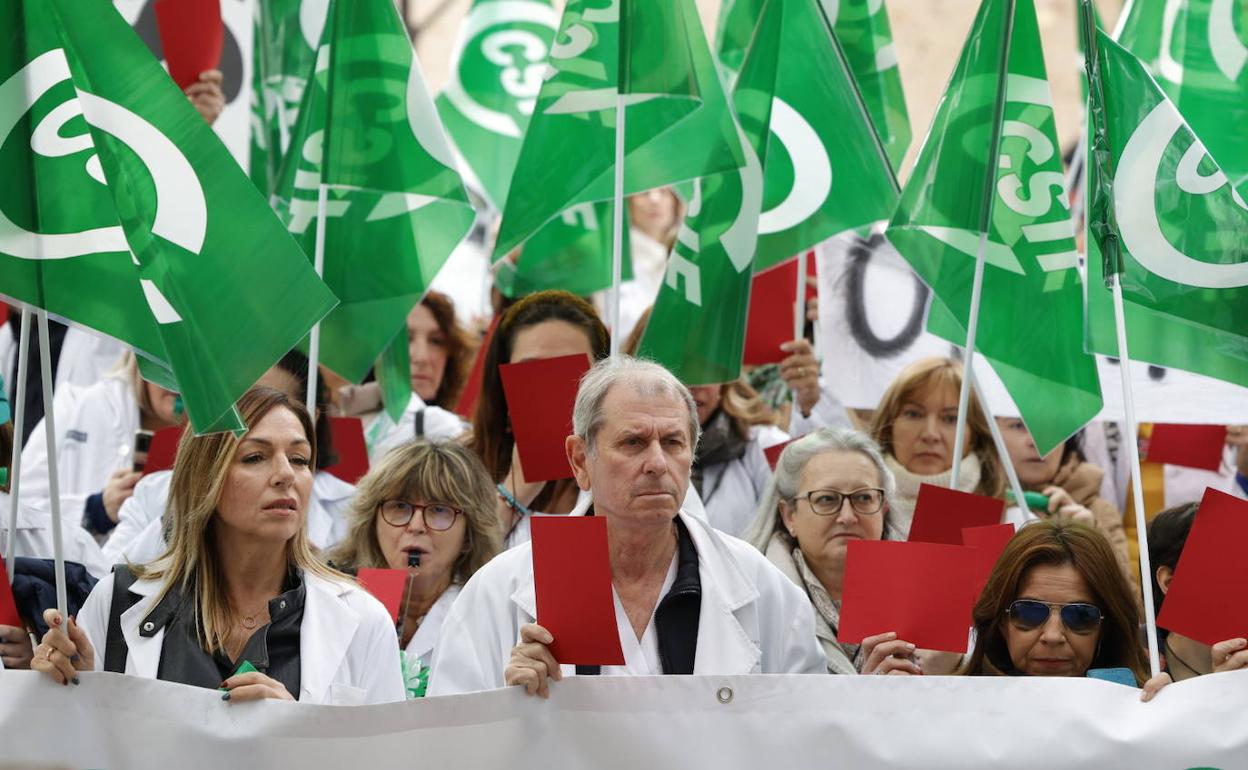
(639, 468)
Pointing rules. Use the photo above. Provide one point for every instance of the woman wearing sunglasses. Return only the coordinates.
(1056, 604)
(432, 504)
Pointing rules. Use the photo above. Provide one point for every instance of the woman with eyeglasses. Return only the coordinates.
(431, 504)
(1056, 604)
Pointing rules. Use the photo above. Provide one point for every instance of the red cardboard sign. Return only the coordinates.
(540, 396)
(988, 543)
(192, 36)
(1191, 446)
(773, 452)
(770, 321)
(164, 449)
(940, 514)
(8, 605)
(923, 592)
(386, 585)
(572, 578)
(352, 451)
(1208, 597)
(472, 388)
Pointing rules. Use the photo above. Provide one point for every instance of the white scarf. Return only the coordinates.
(902, 512)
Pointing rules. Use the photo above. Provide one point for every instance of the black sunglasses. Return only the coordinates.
(1079, 617)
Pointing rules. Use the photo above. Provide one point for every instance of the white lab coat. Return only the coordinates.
(753, 619)
(423, 646)
(139, 535)
(383, 434)
(95, 429)
(34, 538)
(731, 491)
(348, 653)
(86, 357)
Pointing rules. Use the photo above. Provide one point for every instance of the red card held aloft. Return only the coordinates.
(386, 586)
(467, 404)
(164, 449)
(1208, 596)
(192, 36)
(940, 514)
(769, 323)
(352, 451)
(8, 606)
(923, 592)
(540, 395)
(572, 578)
(1191, 446)
(773, 452)
(988, 543)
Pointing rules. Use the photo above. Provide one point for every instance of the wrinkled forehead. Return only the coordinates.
(639, 405)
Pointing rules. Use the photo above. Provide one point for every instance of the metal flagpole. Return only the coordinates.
(19, 430)
(54, 489)
(999, 441)
(314, 339)
(617, 229)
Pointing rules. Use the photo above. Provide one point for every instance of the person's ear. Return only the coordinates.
(1164, 575)
(787, 514)
(578, 458)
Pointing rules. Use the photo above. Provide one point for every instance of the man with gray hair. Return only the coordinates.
(688, 599)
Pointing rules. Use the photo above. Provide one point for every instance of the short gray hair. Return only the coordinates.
(793, 460)
(646, 377)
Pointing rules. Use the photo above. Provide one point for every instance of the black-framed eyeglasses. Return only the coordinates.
(437, 516)
(1079, 617)
(827, 502)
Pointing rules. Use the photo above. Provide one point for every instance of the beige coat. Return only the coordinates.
(780, 553)
(1083, 481)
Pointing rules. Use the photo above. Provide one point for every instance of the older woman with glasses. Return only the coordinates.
(428, 508)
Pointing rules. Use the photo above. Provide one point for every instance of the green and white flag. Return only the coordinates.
(1198, 52)
(989, 175)
(492, 87)
(1165, 218)
(123, 212)
(572, 252)
(866, 37)
(677, 121)
(395, 206)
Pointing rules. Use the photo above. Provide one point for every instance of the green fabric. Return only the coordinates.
(991, 164)
(1168, 215)
(396, 206)
(491, 90)
(571, 252)
(216, 291)
(677, 122)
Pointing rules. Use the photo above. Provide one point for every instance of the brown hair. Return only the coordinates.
(425, 471)
(491, 428)
(460, 350)
(932, 373)
(1058, 542)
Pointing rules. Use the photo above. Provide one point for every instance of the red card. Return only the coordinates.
(1192, 446)
(540, 395)
(8, 606)
(386, 585)
(922, 591)
(941, 514)
(352, 451)
(192, 36)
(572, 578)
(773, 452)
(1208, 597)
(164, 449)
(467, 403)
(770, 321)
(988, 543)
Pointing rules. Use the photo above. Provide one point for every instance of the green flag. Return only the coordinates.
(990, 176)
(1163, 213)
(697, 327)
(677, 121)
(107, 159)
(1198, 52)
(491, 90)
(571, 252)
(866, 37)
(368, 135)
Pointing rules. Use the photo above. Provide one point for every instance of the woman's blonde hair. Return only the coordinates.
(192, 561)
(424, 471)
(127, 370)
(935, 373)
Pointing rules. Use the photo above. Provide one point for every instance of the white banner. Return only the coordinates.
(822, 722)
(872, 316)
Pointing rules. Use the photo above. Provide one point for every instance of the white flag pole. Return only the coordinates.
(997, 439)
(799, 305)
(314, 339)
(19, 425)
(617, 229)
(1137, 481)
(54, 489)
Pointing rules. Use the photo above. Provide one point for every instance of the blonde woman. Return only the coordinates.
(433, 503)
(239, 583)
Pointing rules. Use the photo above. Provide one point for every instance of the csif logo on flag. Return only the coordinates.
(181, 215)
(1227, 50)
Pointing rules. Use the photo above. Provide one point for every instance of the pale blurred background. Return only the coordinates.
(928, 34)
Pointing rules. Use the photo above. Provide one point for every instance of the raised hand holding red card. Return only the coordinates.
(572, 580)
(192, 36)
(540, 395)
(940, 514)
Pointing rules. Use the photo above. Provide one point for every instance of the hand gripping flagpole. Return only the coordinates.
(617, 227)
(314, 339)
(985, 223)
(19, 425)
(49, 427)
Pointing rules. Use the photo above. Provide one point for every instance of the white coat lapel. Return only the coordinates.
(724, 645)
(325, 635)
(143, 658)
